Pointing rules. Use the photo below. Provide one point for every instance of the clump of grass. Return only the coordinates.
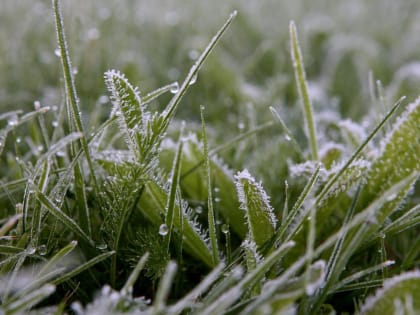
(155, 222)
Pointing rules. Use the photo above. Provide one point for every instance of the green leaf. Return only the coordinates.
(398, 159)
(256, 204)
(127, 108)
(152, 205)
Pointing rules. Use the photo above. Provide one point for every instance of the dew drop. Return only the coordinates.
(233, 14)
(217, 199)
(55, 124)
(193, 79)
(75, 71)
(18, 140)
(287, 138)
(174, 88)
(163, 229)
(30, 250)
(37, 105)
(101, 246)
(241, 126)
(199, 210)
(42, 250)
(225, 229)
(12, 121)
(57, 52)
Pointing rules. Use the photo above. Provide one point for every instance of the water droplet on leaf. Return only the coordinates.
(225, 228)
(31, 250)
(193, 79)
(57, 52)
(174, 88)
(101, 246)
(42, 250)
(163, 229)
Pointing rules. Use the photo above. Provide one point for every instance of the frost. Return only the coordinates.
(317, 277)
(265, 199)
(393, 288)
(256, 204)
(353, 131)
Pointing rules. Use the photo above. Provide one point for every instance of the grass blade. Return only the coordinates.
(210, 214)
(87, 265)
(302, 85)
(192, 74)
(170, 206)
(258, 211)
(64, 218)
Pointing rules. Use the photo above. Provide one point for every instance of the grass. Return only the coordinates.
(115, 200)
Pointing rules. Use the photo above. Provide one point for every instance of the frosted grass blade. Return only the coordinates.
(210, 209)
(171, 201)
(302, 85)
(87, 265)
(192, 75)
(64, 218)
(256, 205)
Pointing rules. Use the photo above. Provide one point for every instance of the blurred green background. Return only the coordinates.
(155, 42)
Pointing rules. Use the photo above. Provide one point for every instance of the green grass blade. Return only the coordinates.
(28, 301)
(73, 100)
(286, 223)
(192, 75)
(399, 157)
(302, 85)
(164, 288)
(170, 206)
(358, 152)
(152, 205)
(58, 256)
(127, 107)
(173, 88)
(256, 205)
(187, 301)
(128, 286)
(358, 275)
(64, 218)
(85, 266)
(210, 209)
